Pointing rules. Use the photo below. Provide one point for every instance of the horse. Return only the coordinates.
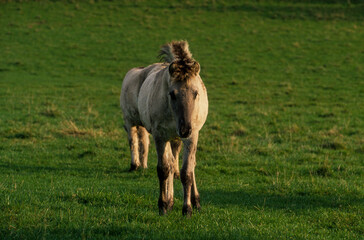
(168, 100)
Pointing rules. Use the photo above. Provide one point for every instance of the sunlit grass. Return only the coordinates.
(280, 156)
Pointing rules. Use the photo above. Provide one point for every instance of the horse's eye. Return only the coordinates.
(173, 96)
(195, 93)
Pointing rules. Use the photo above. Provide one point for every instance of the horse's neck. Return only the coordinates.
(166, 82)
(166, 79)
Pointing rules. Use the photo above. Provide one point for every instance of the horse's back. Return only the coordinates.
(132, 83)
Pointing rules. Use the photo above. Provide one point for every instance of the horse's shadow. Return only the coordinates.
(81, 171)
(218, 197)
(292, 202)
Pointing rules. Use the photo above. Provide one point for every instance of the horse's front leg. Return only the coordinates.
(191, 194)
(195, 196)
(165, 175)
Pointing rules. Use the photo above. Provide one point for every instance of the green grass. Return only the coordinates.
(281, 155)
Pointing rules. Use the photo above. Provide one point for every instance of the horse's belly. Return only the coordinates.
(143, 110)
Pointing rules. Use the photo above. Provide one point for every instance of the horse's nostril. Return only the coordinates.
(185, 131)
(182, 122)
(189, 130)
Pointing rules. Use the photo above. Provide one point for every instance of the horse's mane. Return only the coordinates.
(182, 66)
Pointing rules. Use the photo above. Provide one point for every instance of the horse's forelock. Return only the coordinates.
(182, 66)
(180, 50)
(184, 70)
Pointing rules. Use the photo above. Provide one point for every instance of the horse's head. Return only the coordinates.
(184, 92)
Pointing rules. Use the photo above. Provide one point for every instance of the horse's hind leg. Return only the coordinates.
(143, 136)
(176, 148)
(134, 147)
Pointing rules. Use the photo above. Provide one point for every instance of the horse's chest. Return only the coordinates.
(162, 125)
(167, 129)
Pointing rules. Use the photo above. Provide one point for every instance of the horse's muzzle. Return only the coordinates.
(184, 130)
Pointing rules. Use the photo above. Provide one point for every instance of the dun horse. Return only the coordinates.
(168, 100)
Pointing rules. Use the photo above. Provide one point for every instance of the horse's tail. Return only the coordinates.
(176, 50)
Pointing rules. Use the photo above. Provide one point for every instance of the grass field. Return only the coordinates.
(281, 155)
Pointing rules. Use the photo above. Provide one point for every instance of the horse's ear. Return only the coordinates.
(171, 68)
(196, 67)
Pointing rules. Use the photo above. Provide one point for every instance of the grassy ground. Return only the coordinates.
(280, 157)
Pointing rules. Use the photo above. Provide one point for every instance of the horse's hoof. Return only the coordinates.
(170, 205)
(176, 175)
(187, 211)
(162, 212)
(133, 167)
(196, 202)
(163, 207)
(198, 208)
